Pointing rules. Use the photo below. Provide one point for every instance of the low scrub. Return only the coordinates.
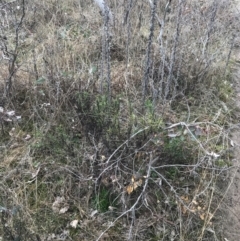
(114, 126)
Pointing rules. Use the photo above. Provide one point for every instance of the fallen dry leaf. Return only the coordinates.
(59, 204)
(64, 209)
(202, 216)
(74, 223)
(129, 189)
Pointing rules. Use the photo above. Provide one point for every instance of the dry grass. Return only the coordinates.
(139, 159)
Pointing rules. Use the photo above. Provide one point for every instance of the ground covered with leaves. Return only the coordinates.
(115, 125)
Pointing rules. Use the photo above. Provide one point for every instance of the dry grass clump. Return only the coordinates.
(122, 124)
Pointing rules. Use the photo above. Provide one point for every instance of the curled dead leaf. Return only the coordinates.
(133, 185)
(129, 189)
(185, 198)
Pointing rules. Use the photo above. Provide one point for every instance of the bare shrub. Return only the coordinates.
(123, 116)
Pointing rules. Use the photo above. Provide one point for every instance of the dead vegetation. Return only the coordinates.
(115, 131)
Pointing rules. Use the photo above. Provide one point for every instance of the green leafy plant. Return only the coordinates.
(171, 173)
(176, 149)
(101, 200)
(56, 142)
